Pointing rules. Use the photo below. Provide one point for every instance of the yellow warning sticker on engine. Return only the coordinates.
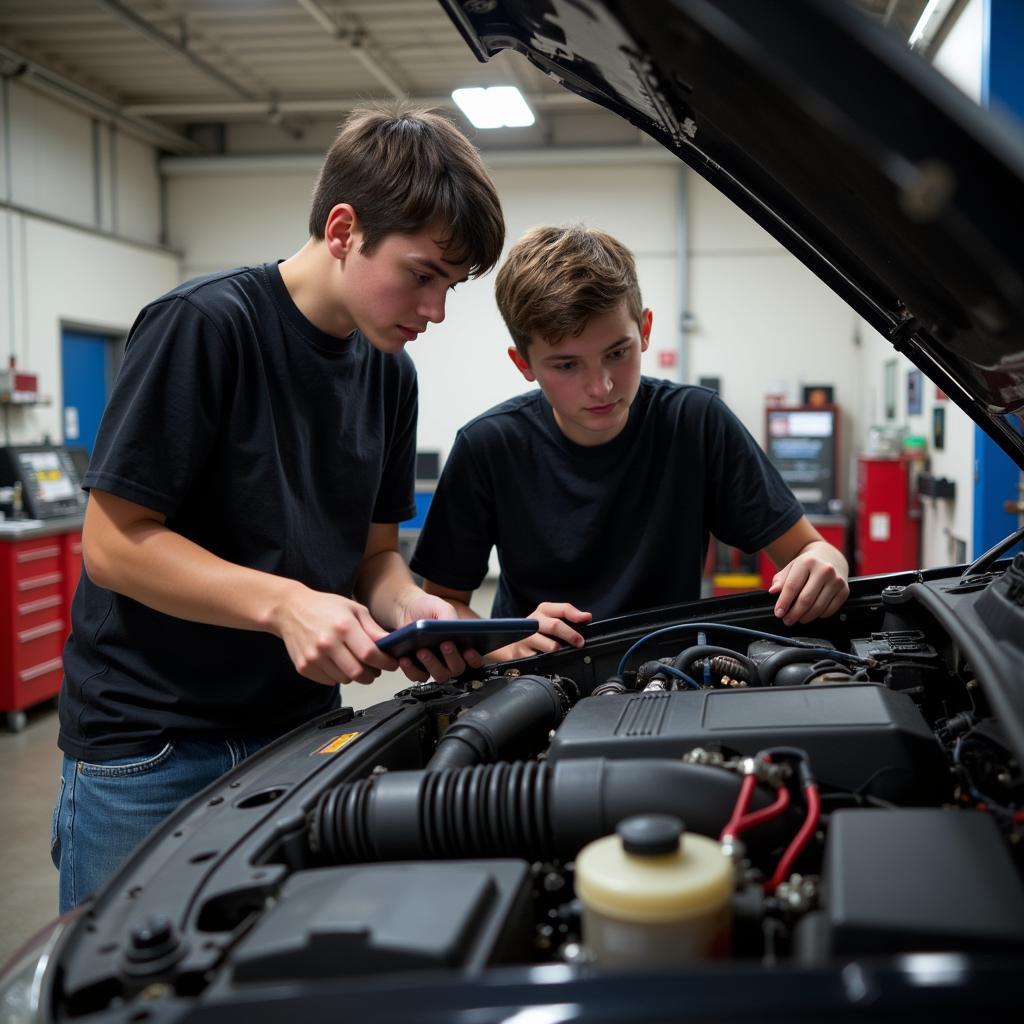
(333, 746)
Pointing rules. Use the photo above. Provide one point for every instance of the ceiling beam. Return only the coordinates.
(351, 33)
(203, 111)
(126, 14)
(644, 151)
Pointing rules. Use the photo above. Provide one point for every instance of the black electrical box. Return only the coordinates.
(49, 481)
(368, 918)
(918, 879)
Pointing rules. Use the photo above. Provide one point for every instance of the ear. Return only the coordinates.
(646, 319)
(341, 232)
(520, 363)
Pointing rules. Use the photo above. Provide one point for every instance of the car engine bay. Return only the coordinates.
(857, 788)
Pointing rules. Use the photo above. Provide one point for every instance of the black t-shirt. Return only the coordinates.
(267, 442)
(612, 528)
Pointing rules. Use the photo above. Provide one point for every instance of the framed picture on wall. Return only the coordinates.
(915, 388)
(889, 389)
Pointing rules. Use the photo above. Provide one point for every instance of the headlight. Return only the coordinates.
(23, 977)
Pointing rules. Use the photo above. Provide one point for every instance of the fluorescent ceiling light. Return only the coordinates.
(500, 106)
(932, 19)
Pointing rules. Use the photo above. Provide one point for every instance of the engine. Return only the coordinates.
(676, 793)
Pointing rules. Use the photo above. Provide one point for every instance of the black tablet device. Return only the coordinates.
(483, 635)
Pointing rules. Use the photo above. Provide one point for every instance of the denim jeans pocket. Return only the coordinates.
(123, 767)
(55, 824)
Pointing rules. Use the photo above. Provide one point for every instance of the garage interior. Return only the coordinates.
(148, 142)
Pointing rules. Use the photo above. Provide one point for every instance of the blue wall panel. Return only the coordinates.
(996, 477)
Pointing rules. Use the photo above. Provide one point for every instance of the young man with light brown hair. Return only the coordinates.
(600, 490)
(251, 469)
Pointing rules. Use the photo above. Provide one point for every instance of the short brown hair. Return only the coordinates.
(555, 280)
(404, 169)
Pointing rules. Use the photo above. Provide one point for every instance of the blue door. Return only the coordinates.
(86, 376)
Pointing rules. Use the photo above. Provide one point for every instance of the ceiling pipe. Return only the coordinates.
(44, 80)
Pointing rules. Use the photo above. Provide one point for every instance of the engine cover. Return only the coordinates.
(860, 738)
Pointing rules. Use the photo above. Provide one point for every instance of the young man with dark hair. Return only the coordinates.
(251, 469)
(600, 490)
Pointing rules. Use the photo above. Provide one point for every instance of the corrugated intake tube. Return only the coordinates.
(533, 810)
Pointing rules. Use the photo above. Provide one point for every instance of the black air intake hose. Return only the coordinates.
(774, 663)
(532, 810)
(512, 723)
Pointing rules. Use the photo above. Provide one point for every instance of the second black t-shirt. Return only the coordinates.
(612, 528)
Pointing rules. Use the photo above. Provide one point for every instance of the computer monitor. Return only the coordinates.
(801, 442)
(50, 485)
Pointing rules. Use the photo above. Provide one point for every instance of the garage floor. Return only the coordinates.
(29, 767)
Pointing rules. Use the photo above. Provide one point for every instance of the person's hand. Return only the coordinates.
(554, 620)
(427, 664)
(810, 587)
(331, 639)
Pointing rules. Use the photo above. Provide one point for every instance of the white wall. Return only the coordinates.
(219, 219)
(223, 219)
(77, 192)
(135, 190)
(463, 366)
(944, 522)
(959, 57)
(754, 302)
(51, 157)
(763, 322)
(66, 165)
(74, 277)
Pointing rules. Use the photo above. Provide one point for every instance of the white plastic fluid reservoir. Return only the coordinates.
(653, 895)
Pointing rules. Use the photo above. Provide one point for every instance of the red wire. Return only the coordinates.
(773, 810)
(800, 840)
(742, 802)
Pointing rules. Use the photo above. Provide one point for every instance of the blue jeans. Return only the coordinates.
(105, 809)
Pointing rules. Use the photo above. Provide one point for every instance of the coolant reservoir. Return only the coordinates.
(653, 896)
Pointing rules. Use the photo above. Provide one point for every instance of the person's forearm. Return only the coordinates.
(829, 553)
(385, 585)
(459, 600)
(159, 568)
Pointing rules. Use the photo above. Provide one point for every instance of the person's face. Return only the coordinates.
(591, 379)
(394, 292)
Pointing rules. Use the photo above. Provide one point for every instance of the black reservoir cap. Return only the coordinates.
(650, 835)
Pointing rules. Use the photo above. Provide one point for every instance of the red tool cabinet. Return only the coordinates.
(888, 515)
(38, 573)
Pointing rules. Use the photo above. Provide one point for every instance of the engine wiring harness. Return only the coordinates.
(740, 670)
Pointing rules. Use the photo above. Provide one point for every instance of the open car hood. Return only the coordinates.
(863, 161)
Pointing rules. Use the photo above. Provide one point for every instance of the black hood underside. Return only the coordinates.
(882, 177)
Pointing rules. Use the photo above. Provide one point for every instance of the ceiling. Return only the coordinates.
(233, 76)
